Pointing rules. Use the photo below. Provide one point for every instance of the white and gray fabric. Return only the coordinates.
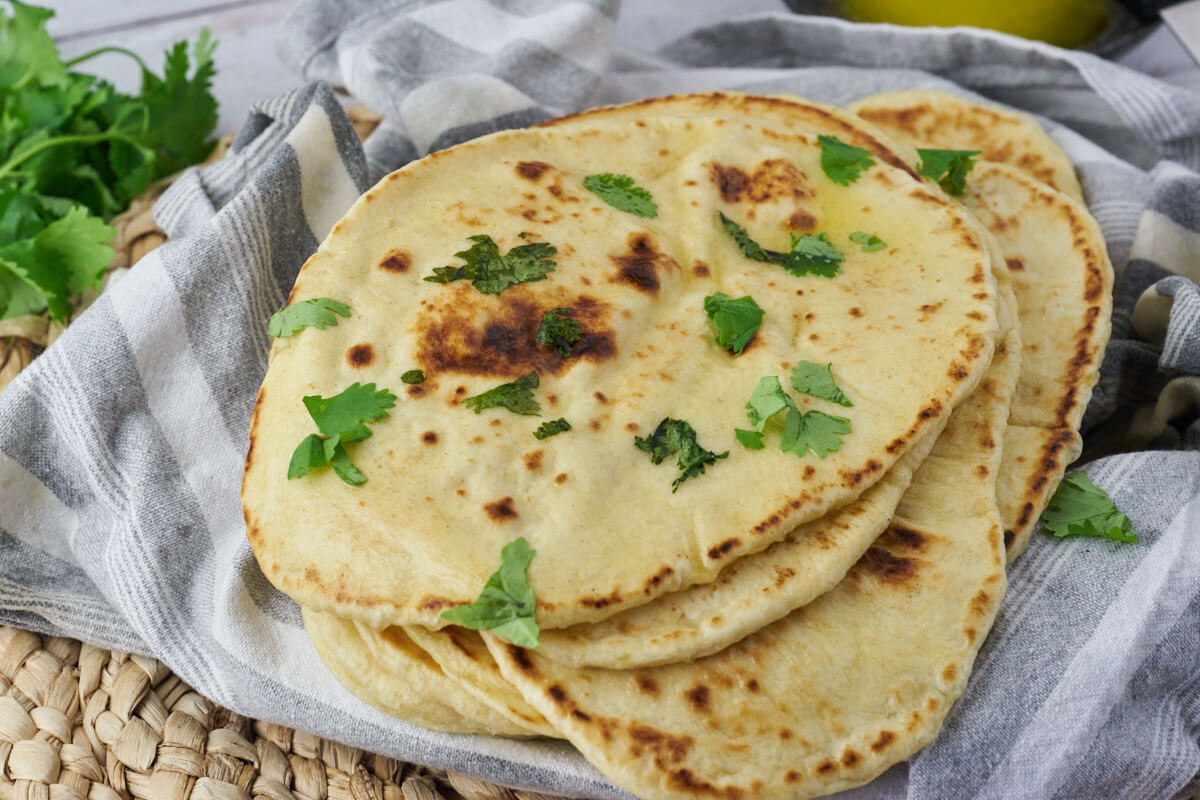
(121, 447)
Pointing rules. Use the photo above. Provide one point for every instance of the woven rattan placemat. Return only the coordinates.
(81, 723)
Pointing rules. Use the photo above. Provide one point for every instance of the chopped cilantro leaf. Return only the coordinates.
(346, 414)
(748, 246)
(551, 428)
(342, 420)
(344, 468)
(620, 192)
(736, 321)
(948, 167)
(1081, 508)
(308, 454)
(676, 436)
(869, 241)
(813, 430)
(767, 400)
(810, 253)
(315, 313)
(802, 431)
(817, 381)
(813, 254)
(558, 331)
(507, 604)
(751, 440)
(517, 397)
(492, 273)
(842, 162)
(413, 376)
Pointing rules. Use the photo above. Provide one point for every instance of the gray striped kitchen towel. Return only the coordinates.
(121, 447)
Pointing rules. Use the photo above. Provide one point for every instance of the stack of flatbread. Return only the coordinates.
(761, 560)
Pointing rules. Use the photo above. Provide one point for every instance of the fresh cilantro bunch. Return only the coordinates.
(74, 151)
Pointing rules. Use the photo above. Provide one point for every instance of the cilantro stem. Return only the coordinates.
(11, 165)
(99, 51)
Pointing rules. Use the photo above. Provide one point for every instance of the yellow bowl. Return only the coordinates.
(1066, 23)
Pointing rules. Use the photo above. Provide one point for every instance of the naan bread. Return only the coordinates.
(908, 335)
(784, 112)
(749, 594)
(396, 676)
(464, 657)
(831, 695)
(1063, 279)
(929, 118)
(757, 590)
(1061, 273)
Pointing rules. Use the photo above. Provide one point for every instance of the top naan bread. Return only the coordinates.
(908, 331)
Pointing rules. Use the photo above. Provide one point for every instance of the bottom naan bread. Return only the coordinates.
(834, 693)
(464, 657)
(389, 671)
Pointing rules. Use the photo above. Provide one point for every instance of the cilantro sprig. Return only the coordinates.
(516, 396)
(736, 321)
(622, 193)
(676, 436)
(558, 331)
(802, 431)
(810, 254)
(74, 151)
(319, 312)
(507, 605)
(492, 273)
(869, 241)
(948, 168)
(843, 163)
(341, 419)
(1081, 508)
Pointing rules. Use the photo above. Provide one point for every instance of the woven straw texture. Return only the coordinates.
(78, 722)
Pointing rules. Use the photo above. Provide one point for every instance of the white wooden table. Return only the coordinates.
(248, 69)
